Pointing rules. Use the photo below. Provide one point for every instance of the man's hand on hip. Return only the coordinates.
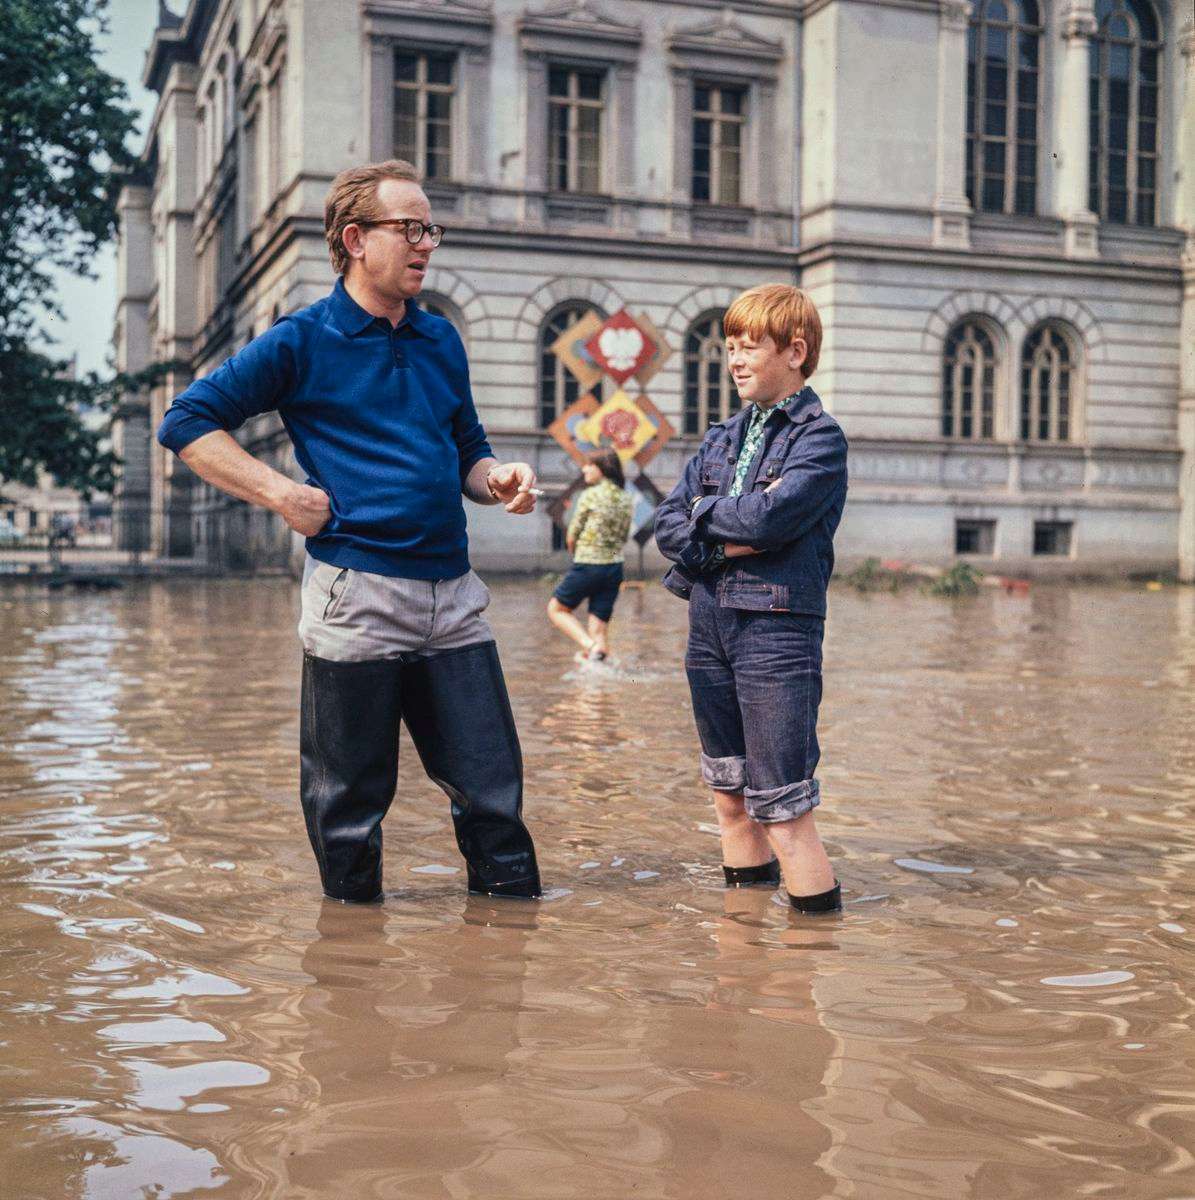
(305, 509)
(511, 484)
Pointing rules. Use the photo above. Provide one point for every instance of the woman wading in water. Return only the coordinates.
(596, 536)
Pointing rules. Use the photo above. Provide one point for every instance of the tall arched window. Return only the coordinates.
(558, 386)
(1048, 371)
(1003, 44)
(969, 374)
(709, 395)
(1126, 54)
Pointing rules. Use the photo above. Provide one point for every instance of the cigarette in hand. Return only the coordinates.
(533, 492)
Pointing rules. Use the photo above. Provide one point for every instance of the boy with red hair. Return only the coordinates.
(750, 527)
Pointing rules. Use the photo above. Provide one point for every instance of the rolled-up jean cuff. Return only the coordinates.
(785, 803)
(724, 774)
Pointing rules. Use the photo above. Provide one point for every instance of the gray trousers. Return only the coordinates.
(355, 616)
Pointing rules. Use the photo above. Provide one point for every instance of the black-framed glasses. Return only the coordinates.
(413, 229)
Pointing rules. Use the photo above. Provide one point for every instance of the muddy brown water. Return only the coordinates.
(1003, 1011)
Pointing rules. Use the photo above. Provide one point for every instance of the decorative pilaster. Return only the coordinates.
(1073, 143)
(1185, 193)
(1185, 218)
(952, 209)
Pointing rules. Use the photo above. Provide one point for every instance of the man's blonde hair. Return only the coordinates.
(353, 198)
(780, 312)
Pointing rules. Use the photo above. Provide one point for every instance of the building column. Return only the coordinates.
(1073, 144)
(535, 177)
(1185, 219)
(682, 153)
(952, 209)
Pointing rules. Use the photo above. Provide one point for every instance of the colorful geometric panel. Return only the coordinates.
(620, 347)
(620, 424)
(664, 431)
(570, 348)
(662, 353)
(565, 429)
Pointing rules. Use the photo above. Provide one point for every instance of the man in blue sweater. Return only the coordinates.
(374, 393)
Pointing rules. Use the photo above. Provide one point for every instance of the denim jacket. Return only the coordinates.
(790, 506)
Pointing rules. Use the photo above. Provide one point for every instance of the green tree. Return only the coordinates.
(64, 124)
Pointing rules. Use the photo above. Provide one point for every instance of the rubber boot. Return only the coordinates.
(765, 875)
(348, 743)
(823, 902)
(458, 712)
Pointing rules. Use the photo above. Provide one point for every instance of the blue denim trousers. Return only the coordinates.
(756, 683)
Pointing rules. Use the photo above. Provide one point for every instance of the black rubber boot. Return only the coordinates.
(458, 712)
(766, 874)
(823, 902)
(348, 742)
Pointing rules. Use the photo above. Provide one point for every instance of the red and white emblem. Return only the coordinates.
(620, 347)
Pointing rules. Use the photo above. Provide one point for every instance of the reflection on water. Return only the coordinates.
(1003, 1011)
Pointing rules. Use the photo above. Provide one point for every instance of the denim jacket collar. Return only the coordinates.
(805, 407)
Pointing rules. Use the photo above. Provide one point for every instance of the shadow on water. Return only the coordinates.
(1003, 1011)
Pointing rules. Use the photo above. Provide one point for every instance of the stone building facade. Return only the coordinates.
(993, 204)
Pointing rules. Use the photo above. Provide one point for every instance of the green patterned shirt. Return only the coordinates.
(600, 524)
(751, 445)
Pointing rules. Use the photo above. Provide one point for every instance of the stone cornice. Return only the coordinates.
(724, 37)
(181, 42)
(812, 7)
(579, 19)
(862, 250)
(477, 13)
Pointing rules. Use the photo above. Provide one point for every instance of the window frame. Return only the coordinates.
(954, 394)
(462, 33)
(702, 360)
(573, 103)
(977, 137)
(423, 89)
(985, 530)
(717, 119)
(1069, 373)
(1054, 528)
(598, 42)
(1099, 115)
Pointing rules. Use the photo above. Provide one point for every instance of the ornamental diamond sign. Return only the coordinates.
(619, 423)
(621, 347)
(570, 348)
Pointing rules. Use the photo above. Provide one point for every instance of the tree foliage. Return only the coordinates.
(64, 124)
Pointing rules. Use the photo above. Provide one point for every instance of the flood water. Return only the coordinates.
(1003, 1010)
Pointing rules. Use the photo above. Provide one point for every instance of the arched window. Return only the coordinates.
(1049, 363)
(969, 374)
(558, 386)
(1126, 53)
(709, 395)
(1003, 45)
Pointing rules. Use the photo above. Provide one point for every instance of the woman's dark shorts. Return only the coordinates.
(597, 582)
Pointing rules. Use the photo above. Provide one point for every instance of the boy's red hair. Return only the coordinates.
(778, 311)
